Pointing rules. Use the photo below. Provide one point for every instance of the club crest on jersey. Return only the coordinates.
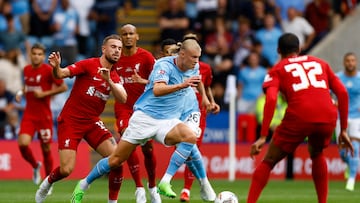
(67, 143)
(161, 72)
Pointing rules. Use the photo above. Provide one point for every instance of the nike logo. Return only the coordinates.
(97, 79)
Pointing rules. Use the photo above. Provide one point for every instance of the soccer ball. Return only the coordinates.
(226, 197)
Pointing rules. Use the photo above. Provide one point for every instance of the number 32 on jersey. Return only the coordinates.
(306, 72)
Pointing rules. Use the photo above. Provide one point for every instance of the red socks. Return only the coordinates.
(320, 177)
(28, 155)
(115, 181)
(48, 162)
(134, 167)
(259, 180)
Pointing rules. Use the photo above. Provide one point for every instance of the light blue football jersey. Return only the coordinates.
(352, 85)
(171, 105)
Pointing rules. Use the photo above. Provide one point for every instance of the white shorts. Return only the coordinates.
(353, 128)
(193, 122)
(143, 128)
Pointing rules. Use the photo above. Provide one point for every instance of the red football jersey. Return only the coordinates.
(40, 78)
(305, 81)
(142, 62)
(206, 78)
(90, 92)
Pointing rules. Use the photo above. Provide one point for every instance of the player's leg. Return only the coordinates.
(116, 174)
(261, 174)
(48, 159)
(104, 166)
(353, 161)
(67, 163)
(45, 134)
(134, 168)
(353, 166)
(189, 174)
(150, 165)
(319, 140)
(185, 139)
(27, 130)
(24, 141)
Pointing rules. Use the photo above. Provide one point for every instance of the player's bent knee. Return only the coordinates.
(66, 171)
(115, 162)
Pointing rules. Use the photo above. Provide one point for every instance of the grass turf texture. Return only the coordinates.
(277, 191)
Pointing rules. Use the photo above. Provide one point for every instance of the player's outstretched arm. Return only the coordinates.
(55, 61)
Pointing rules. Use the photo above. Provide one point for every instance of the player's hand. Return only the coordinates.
(192, 81)
(105, 73)
(257, 146)
(344, 142)
(215, 108)
(54, 59)
(138, 79)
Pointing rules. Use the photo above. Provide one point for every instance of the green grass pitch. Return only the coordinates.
(277, 191)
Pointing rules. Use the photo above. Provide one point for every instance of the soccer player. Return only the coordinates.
(195, 115)
(39, 86)
(156, 116)
(79, 118)
(206, 78)
(134, 67)
(306, 82)
(350, 77)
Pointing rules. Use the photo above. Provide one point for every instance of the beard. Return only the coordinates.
(112, 61)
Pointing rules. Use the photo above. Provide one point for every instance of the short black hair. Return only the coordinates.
(168, 41)
(288, 43)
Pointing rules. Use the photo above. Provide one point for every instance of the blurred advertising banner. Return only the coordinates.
(13, 166)
(216, 160)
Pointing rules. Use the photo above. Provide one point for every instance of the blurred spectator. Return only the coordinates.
(282, 7)
(104, 14)
(218, 54)
(84, 39)
(318, 14)
(41, 13)
(21, 8)
(65, 26)
(257, 19)
(207, 13)
(250, 80)
(11, 70)
(279, 113)
(268, 36)
(243, 41)
(299, 26)
(11, 67)
(5, 10)
(258, 48)
(191, 13)
(173, 22)
(12, 39)
(240, 8)
(6, 107)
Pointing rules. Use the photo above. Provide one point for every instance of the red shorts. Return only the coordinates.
(43, 127)
(122, 119)
(288, 135)
(71, 132)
